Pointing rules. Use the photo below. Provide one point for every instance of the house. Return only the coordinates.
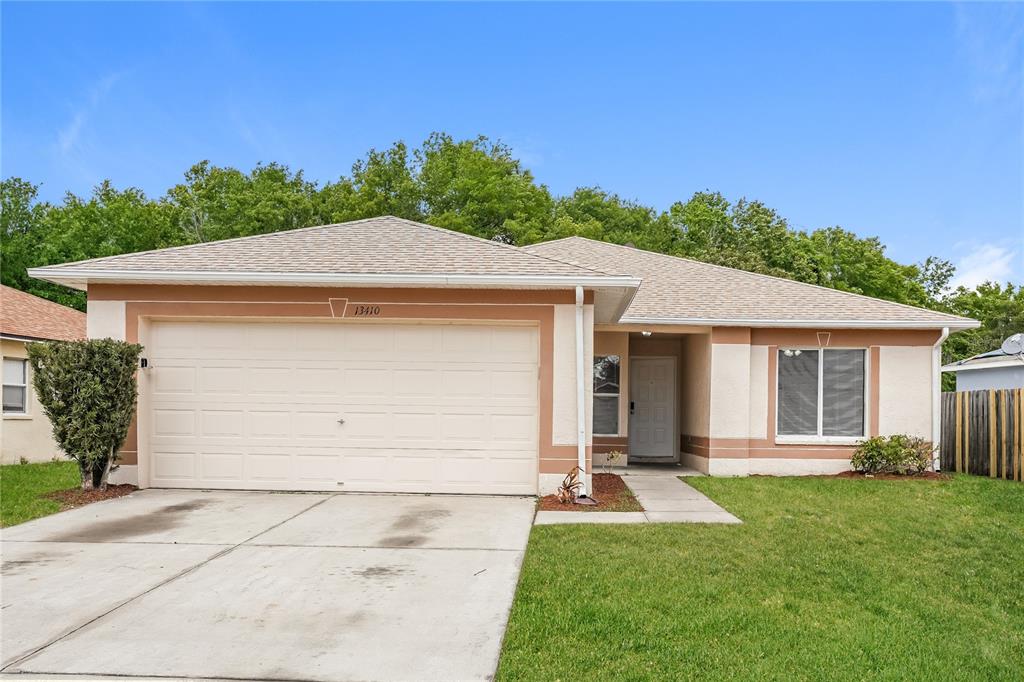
(996, 369)
(388, 355)
(25, 431)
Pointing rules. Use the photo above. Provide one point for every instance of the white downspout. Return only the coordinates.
(581, 395)
(937, 395)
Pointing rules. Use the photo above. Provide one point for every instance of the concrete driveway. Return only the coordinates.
(270, 586)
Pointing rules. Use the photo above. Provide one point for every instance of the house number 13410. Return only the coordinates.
(366, 311)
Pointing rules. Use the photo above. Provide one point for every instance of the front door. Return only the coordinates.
(652, 409)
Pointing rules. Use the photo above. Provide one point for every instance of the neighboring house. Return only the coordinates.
(387, 355)
(26, 432)
(992, 370)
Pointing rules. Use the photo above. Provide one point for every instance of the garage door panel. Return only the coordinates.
(416, 340)
(512, 429)
(262, 424)
(322, 468)
(174, 466)
(172, 380)
(416, 383)
(369, 341)
(367, 382)
(315, 425)
(426, 408)
(219, 380)
(519, 384)
(418, 427)
(222, 466)
(270, 380)
(222, 423)
(174, 422)
(518, 341)
(317, 381)
(269, 466)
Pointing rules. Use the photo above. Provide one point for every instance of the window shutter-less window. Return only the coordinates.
(842, 393)
(606, 394)
(15, 390)
(798, 393)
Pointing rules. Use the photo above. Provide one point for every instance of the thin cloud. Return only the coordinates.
(991, 39)
(984, 263)
(69, 137)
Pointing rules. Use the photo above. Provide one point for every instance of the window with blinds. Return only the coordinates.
(821, 393)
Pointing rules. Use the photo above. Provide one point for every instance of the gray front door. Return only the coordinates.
(652, 419)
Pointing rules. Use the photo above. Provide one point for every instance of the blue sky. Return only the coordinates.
(904, 121)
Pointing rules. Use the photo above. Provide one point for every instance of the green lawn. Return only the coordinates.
(21, 487)
(826, 579)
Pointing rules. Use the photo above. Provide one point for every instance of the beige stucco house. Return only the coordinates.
(25, 431)
(387, 355)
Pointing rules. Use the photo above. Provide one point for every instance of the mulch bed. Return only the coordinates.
(76, 497)
(923, 476)
(610, 492)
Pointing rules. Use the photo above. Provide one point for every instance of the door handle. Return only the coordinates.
(632, 407)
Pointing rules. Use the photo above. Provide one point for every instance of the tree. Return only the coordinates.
(593, 213)
(934, 276)
(88, 391)
(478, 187)
(220, 203)
(1000, 309)
(20, 217)
(384, 183)
(110, 222)
(842, 260)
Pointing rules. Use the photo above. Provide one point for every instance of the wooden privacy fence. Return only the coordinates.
(983, 433)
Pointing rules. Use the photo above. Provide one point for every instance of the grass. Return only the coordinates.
(827, 579)
(22, 487)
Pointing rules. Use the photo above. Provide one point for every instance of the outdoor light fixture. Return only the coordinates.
(646, 333)
(790, 353)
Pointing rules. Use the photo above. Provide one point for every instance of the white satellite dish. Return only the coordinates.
(1013, 345)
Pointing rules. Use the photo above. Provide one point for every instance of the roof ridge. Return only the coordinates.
(185, 247)
(763, 276)
(517, 249)
(310, 228)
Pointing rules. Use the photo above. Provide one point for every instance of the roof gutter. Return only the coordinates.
(997, 364)
(81, 277)
(807, 324)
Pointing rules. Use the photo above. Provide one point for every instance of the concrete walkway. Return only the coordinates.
(664, 497)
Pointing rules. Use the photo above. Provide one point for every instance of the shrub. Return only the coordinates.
(88, 391)
(899, 454)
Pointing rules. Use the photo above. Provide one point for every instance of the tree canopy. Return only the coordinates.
(477, 186)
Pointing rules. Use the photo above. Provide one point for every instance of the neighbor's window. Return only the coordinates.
(15, 386)
(606, 394)
(821, 393)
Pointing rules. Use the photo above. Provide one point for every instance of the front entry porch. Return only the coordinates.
(651, 396)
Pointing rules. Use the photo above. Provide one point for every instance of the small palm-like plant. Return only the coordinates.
(611, 459)
(570, 488)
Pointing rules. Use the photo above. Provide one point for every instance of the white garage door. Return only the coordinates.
(343, 406)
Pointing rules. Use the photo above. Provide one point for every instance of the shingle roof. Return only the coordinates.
(679, 289)
(29, 316)
(375, 246)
